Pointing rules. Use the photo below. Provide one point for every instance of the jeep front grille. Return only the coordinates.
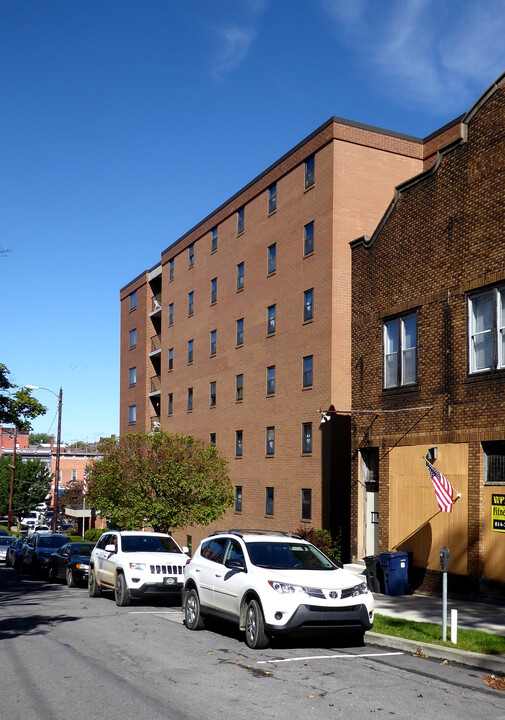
(166, 569)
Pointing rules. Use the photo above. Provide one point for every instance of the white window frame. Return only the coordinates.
(495, 330)
(398, 352)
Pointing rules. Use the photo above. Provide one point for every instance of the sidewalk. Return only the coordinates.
(488, 617)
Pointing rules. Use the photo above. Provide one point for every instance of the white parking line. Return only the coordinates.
(327, 657)
(155, 612)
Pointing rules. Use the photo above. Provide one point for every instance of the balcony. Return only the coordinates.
(155, 305)
(155, 346)
(155, 386)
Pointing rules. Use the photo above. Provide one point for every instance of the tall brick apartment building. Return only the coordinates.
(428, 361)
(241, 334)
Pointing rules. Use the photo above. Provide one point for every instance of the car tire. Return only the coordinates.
(93, 589)
(255, 635)
(51, 574)
(192, 613)
(121, 594)
(70, 578)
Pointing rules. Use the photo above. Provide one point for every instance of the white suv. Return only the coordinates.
(272, 584)
(136, 564)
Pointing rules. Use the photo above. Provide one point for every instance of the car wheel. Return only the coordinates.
(192, 613)
(93, 589)
(121, 591)
(70, 578)
(51, 574)
(255, 635)
(358, 638)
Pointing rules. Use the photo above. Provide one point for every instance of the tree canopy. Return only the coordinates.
(17, 406)
(162, 480)
(32, 483)
(39, 438)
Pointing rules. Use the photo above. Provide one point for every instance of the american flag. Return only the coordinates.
(85, 483)
(443, 489)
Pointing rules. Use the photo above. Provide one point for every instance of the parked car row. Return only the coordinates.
(267, 584)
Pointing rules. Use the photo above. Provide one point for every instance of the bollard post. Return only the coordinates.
(454, 626)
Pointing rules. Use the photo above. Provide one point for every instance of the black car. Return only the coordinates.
(12, 559)
(37, 550)
(71, 563)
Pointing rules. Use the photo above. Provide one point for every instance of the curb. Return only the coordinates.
(492, 663)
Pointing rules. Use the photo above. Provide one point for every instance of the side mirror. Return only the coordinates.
(185, 549)
(235, 565)
(110, 548)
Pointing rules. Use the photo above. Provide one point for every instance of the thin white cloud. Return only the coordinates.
(430, 53)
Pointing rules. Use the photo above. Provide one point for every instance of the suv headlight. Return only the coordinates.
(138, 566)
(289, 589)
(360, 589)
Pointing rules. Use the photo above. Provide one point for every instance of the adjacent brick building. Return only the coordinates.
(428, 361)
(241, 334)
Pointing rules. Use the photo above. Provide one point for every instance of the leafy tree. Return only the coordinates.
(166, 481)
(17, 407)
(39, 438)
(32, 483)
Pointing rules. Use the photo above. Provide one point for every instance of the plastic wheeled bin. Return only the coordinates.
(373, 573)
(395, 566)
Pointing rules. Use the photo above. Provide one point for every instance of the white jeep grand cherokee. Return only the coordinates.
(272, 584)
(136, 564)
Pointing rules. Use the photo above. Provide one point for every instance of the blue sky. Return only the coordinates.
(123, 123)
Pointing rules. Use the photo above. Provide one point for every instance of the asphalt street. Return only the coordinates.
(65, 655)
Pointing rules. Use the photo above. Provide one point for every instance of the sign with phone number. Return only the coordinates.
(498, 512)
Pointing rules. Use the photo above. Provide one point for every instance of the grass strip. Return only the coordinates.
(423, 632)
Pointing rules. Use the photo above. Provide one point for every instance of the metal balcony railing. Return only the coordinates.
(155, 383)
(155, 343)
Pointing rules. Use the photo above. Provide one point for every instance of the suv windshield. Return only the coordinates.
(287, 556)
(147, 543)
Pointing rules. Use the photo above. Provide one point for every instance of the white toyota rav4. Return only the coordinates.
(136, 564)
(272, 584)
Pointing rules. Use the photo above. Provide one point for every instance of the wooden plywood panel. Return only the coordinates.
(494, 541)
(415, 523)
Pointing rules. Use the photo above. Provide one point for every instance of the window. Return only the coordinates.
(400, 351)
(494, 462)
(272, 258)
(269, 501)
(240, 220)
(133, 300)
(309, 171)
(306, 438)
(133, 338)
(171, 269)
(271, 320)
(213, 549)
(272, 198)
(238, 498)
(238, 443)
(132, 376)
(271, 380)
(171, 314)
(170, 403)
(306, 504)
(308, 238)
(240, 276)
(213, 290)
(190, 352)
(190, 399)
(132, 414)
(213, 240)
(370, 468)
(307, 371)
(73, 475)
(170, 359)
(212, 438)
(486, 330)
(240, 331)
(191, 255)
(191, 303)
(239, 388)
(308, 305)
(213, 342)
(270, 438)
(213, 393)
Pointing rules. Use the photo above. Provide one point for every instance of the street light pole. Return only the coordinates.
(58, 444)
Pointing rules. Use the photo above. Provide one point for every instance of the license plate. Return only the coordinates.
(169, 581)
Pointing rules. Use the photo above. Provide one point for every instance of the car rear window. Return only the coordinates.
(287, 556)
(52, 541)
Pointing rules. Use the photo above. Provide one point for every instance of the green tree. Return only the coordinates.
(166, 481)
(17, 406)
(39, 438)
(32, 482)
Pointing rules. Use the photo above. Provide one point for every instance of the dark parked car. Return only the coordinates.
(4, 532)
(5, 542)
(37, 550)
(13, 553)
(71, 563)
